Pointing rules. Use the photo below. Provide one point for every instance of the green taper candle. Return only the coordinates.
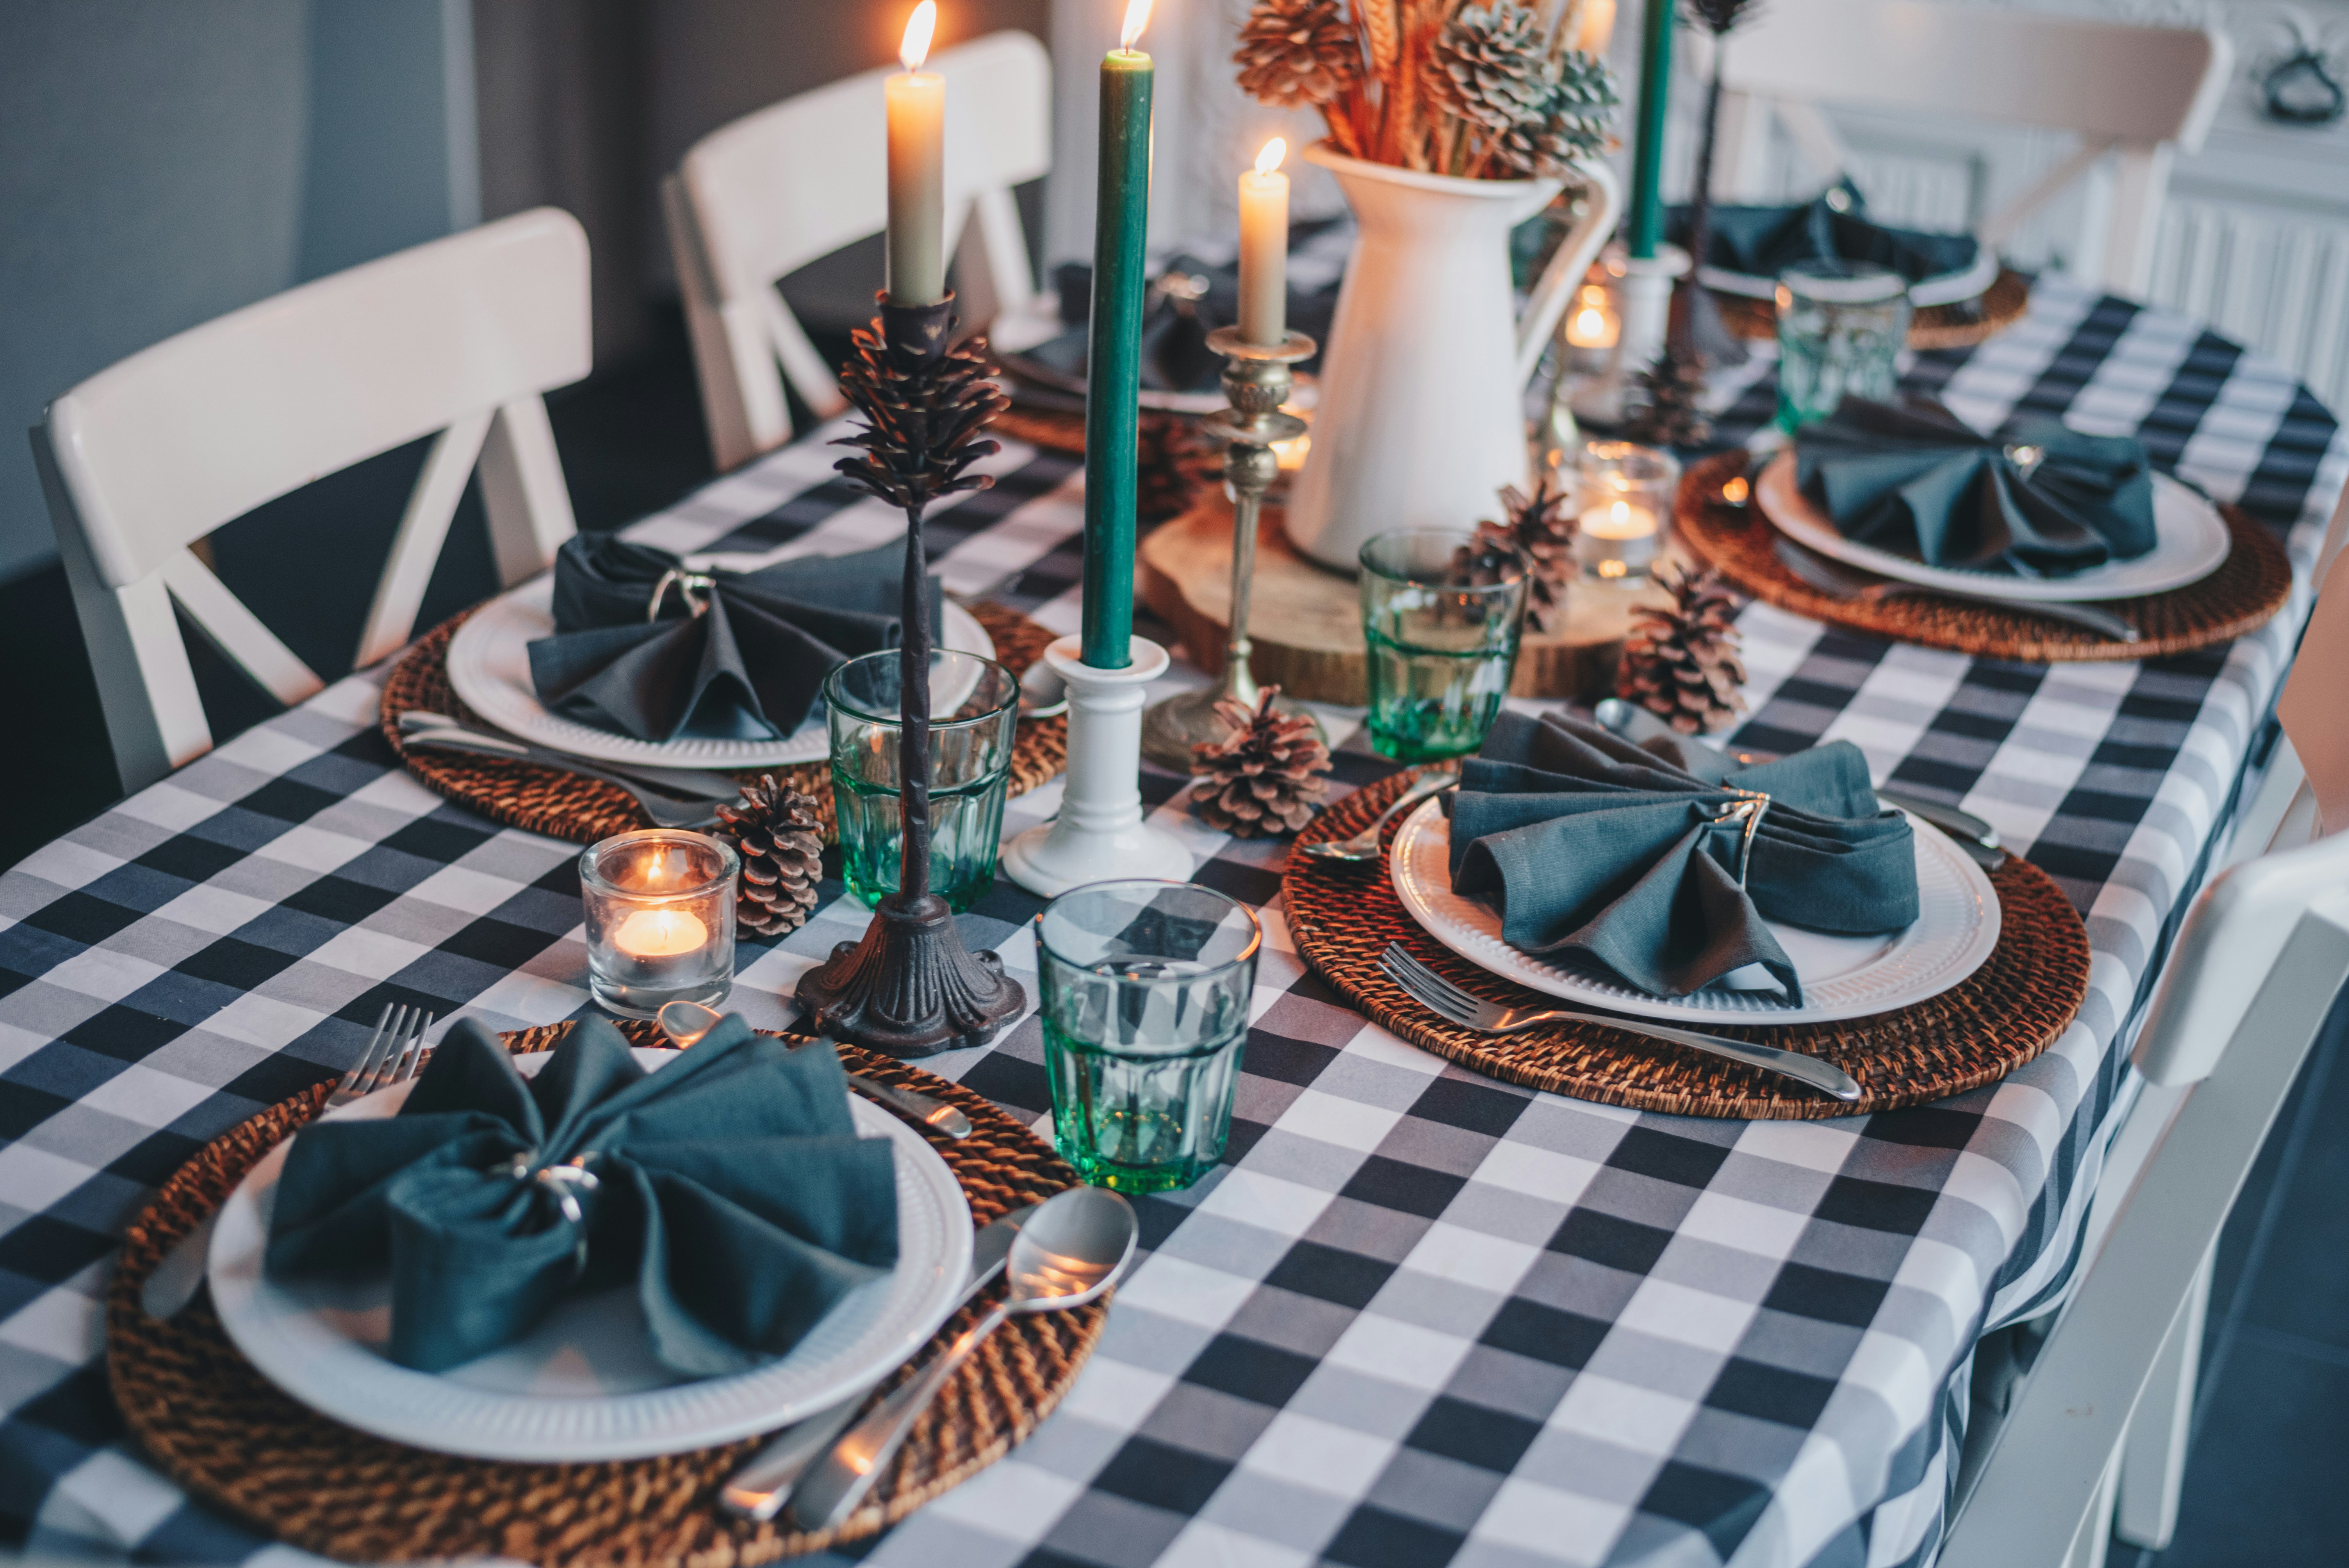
(1643, 229)
(1114, 364)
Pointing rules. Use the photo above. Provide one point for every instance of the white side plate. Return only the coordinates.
(583, 1385)
(2190, 541)
(489, 669)
(1843, 976)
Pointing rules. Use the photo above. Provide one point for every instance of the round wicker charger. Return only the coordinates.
(2250, 585)
(567, 806)
(1960, 325)
(220, 1430)
(1977, 1032)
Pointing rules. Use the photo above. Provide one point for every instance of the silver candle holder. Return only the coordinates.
(1257, 382)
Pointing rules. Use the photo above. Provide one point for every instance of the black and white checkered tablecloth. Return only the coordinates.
(1419, 1317)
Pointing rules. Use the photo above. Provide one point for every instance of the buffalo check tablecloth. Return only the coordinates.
(1418, 1317)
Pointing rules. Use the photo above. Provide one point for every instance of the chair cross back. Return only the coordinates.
(2132, 95)
(455, 339)
(762, 197)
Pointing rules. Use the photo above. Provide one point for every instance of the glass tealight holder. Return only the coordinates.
(660, 920)
(1624, 509)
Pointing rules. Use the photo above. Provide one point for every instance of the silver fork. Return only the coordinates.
(1469, 1011)
(665, 811)
(1854, 586)
(1364, 845)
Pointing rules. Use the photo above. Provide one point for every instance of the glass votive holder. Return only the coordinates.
(1144, 999)
(660, 920)
(1841, 328)
(975, 705)
(1626, 496)
(1442, 641)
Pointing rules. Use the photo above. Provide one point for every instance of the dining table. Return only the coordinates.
(1416, 1315)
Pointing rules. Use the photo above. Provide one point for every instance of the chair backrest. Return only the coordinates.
(764, 196)
(2132, 95)
(456, 337)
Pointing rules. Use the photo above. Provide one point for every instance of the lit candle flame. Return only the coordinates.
(915, 48)
(1137, 16)
(1269, 159)
(1735, 491)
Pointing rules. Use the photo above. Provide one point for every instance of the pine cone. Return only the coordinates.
(1538, 529)
(1490, 67)
(780, 842)
(1681, 664)
(1674, 415)
(923, 418)
(1264, 778)
(1295, 52)
(1173, 461)
(1574, 122)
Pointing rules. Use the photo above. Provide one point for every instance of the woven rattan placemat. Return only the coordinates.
(566, 806)
(2251, 584)
(220, 1430)
(1995, 310)
(1977, 1032)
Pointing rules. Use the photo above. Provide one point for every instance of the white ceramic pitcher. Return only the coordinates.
(1422, 417)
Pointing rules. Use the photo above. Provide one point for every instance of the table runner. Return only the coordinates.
(1421, 1317)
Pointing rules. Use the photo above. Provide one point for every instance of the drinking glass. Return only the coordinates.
(1840, 326)
(660, 920)
(1442, 647)
(1145, 1007)
(970, 772)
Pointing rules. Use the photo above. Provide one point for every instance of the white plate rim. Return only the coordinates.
(2191, 541)
(1472, 930)
(527, 613)
(334, 1375)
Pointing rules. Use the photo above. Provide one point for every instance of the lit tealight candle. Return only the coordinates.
(1264, 248)
(917, 117)
(661, 934)
(1593, 324)
(1618, 520)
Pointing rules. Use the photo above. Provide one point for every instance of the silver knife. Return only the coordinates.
(760, 1489)
(692, 782)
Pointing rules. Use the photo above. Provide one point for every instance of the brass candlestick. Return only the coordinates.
(1256, 381)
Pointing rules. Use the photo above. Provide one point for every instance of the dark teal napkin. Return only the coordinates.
(748, 666)
(1763, 241)
(730, 1186)
(1598, 847)
(2038, 500)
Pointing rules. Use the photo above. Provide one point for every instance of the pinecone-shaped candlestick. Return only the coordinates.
(1681, 662)
(779, 842)
(1538, 529)
(1266, 777)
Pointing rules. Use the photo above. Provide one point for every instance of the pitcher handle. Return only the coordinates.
(1566, 267)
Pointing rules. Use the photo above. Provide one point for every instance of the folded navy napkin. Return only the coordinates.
(729, 1187)
(2037, 500)
(731, 655)
(1630, 856)
(1763, 241)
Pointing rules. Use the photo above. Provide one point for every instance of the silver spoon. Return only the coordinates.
(1364, 845)
(687, 1022)
(1073, 1248)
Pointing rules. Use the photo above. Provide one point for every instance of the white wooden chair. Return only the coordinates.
(2095, 1441)
(2135, 96)
(764, 196)
(458, 336)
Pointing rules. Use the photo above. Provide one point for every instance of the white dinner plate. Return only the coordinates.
(583, 1385)
(1843, 976)
(489, 669)
(2190, 541)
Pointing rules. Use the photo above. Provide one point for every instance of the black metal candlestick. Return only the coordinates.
(910, 986)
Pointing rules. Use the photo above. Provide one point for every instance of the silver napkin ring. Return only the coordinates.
(2026, 459)
(567, 1182)
(688, 585)
(1747, 809)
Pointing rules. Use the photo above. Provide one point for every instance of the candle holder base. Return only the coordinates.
(909, 987)
(1100, 834)
(1646, 292)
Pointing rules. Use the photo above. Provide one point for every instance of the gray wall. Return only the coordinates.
(163, 162)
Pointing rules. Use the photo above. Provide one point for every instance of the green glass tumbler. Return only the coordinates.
(970, 772)
(1145, 988)
(1442, 643)
(1841, 328)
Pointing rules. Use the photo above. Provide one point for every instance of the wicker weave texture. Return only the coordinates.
(2001, 1017)
(2250, 586)
(585, 811)
(1998, 307)
(220, 1430)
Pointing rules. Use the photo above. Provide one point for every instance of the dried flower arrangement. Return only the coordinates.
(1496, 90)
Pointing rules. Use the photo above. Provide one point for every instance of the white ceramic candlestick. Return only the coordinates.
(1100, 833)
(1646, 296)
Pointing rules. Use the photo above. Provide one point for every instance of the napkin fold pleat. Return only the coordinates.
(750, 666)
(1918, 482)
(1593, 846)
(1763, 241)
(731, 1190)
